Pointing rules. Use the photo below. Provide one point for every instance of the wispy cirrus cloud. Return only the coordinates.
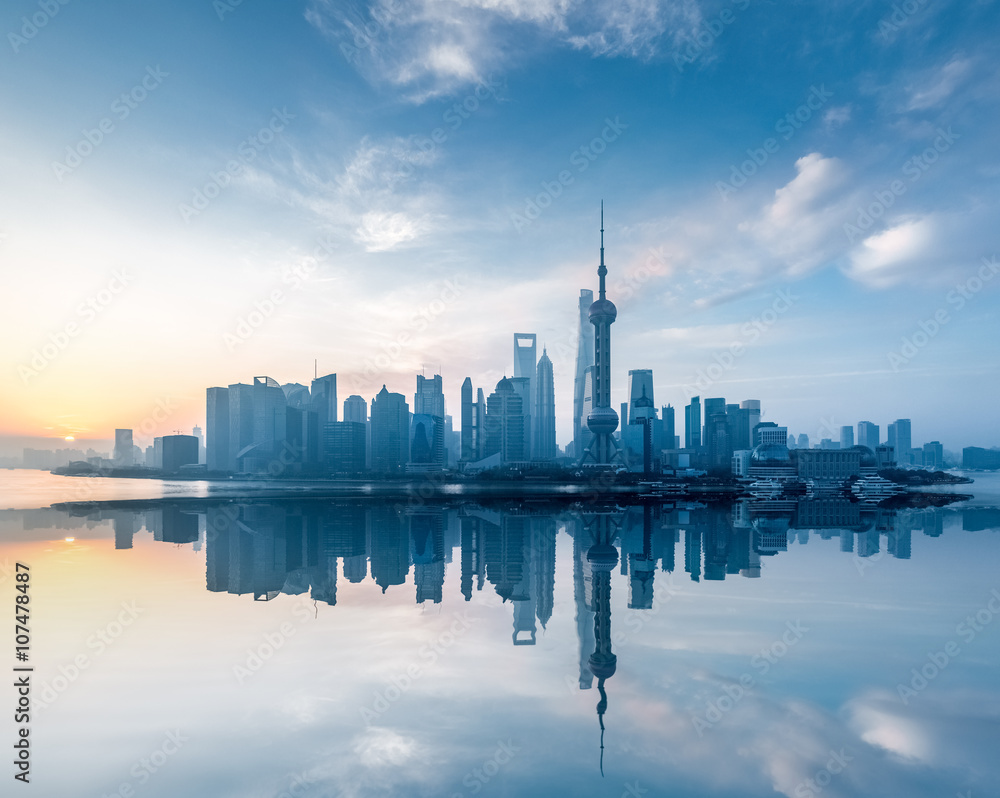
(432, 48)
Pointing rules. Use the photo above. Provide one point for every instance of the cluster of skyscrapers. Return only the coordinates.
(265, 428)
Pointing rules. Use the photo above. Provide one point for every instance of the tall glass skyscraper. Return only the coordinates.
(544, 420)
(584, 361)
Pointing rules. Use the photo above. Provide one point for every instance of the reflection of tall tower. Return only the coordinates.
(543, 554)
(602, 421)
(584, 614)
(472, 558)
(427, 553)
(602, 557)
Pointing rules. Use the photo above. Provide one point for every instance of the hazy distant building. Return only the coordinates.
(123, 455)
(200, 435)
(934, 455)
(429, 398)
(177, 451)
(803, 441)
(749, 418)
(544, 420)
(504, 427)
(356, 409)
(899, 436)
(584, 361)
(267, 450)
(217, 429)
(323, 399)
(868, 434)
(846, 437)
(981, 459)
(390, 423)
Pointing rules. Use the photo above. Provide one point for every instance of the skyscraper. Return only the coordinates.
(525, 366)
(390, 432)
(429, 398)
(504, 427)
(692, 424)
(356, 409)
(900, 438)
(123, 447)
(324, 399)
(669, 427)
(472, 442)
(602, 421)
(868, 434)
(426, 441)
(240, 422)
(200, 435)
(584, 361)
(640, 390)
(217, 429)
(846, 437)
(544, 420)
(344, 446)
(749, 417)
(270, 425)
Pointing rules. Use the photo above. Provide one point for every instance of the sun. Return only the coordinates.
(69, 438)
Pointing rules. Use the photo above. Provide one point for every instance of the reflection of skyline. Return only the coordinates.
(257, 547)
(639, 658)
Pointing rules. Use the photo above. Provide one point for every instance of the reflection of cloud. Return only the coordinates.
(378, 747)
(941, 728)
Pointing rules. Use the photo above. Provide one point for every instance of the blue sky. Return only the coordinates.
(404, 144)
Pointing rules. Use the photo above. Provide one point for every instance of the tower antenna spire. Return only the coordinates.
(602, 269)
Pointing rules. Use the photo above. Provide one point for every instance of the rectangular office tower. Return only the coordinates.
(123, 447)
(390, 432)
(217, 429)
(692, 424)
(900, 439)
(584, 361)
(472, 423)
(525, 367)
(846, 437)
(868, 434)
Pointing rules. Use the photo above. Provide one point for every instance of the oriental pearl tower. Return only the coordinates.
(602, 420)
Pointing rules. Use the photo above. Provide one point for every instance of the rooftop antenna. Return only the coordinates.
(315, 368)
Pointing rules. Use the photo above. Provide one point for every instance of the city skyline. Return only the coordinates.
(812, 227)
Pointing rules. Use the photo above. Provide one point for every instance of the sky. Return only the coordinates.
(800, 204)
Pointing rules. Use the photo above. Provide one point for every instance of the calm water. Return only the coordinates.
(221, 648)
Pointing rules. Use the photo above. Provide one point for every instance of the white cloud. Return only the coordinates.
(932, 88)
(435, 47)
(883, 258)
